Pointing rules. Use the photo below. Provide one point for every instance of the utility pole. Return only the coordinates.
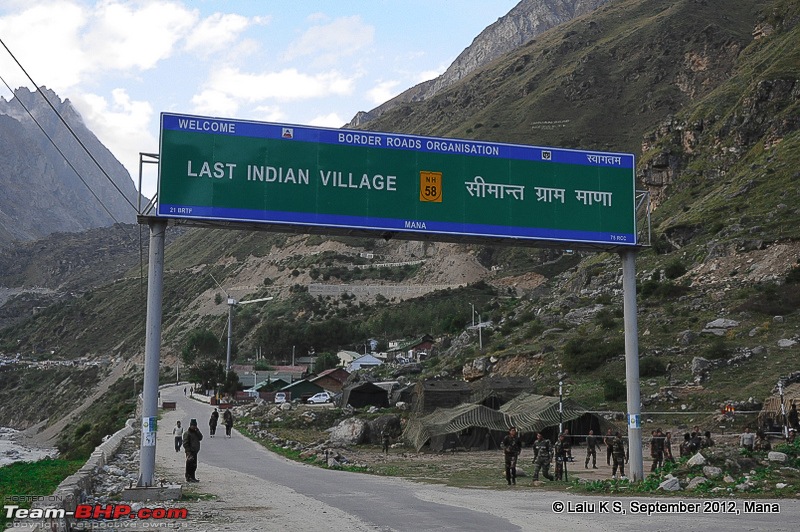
(560, 407)
(480, 332)
(632, 365)
(152, 354)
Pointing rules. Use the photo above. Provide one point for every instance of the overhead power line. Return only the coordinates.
(72, 132)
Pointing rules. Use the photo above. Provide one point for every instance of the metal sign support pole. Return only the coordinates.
(152, 353)
(632, 365)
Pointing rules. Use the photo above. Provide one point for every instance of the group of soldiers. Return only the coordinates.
(544, 452)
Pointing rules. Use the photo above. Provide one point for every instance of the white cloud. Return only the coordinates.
(214, 103)
(329, 42)
(45, 40)
(218, 32)
(124, 37)
(383, 91)
(121, 124)
(268, 113)
(329, 120)
(286, 85)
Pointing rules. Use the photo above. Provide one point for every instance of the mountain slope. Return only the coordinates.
(41, 194)
(600, 81)
(715, 111)
(525, 21)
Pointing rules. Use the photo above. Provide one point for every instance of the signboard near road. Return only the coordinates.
(289, 175)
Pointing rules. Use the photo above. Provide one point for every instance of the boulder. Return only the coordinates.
(697, 460)
(775, 456)
(696, 482)
(350, 431)
(699, 365)
(785, 342)
(722, 323)
(728, 479)
(712, 472)
(670, 484)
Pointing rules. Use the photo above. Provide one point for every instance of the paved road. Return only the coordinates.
(389, 504)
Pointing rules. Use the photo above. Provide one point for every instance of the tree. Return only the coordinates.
(325, 361)
(200, 344)
(209, 374)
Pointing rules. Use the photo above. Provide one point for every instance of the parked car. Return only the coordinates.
(321, 397)
(280, 397)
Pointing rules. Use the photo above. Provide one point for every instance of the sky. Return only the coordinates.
(309, 62)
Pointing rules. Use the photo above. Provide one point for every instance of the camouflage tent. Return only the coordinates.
(470, 425)
(464, 425)
(771, 418)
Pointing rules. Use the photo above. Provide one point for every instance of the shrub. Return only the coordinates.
(605, 319)
(793, 277)
(674, 269)
(717, 349)
(651, 367)
(772, 300)
(582, 355)
(614, 390)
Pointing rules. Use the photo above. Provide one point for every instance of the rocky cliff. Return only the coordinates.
(45, 191)
(525, 21)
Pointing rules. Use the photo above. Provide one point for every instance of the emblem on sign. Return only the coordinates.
(430, 186)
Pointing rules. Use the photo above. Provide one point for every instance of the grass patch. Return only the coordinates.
(33, 478)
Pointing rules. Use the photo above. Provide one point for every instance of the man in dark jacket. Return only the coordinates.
(212, 423)
(227, 417)
(512, 446)
(191, 445)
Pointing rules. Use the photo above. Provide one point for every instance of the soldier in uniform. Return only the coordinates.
(511, 446)
(620, 455)
(591, 450)
(568, 444)
(560, 450)
(657, 449)
(668, 448)
(385, 441)
(541, 457)
(608, 440)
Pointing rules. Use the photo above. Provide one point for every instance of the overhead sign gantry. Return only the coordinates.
(257, 172)
(220, 172)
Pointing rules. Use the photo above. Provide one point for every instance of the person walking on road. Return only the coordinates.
(512, 446)
(177, 432)
(212, 423)
(591, 450)
(227, 418)
(191, 446)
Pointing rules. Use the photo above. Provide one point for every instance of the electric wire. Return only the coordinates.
(72, 132)
(63, 156)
